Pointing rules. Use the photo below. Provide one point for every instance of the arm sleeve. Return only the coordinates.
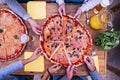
(17, 8)
(89, 5)
(60, 2)
(10, 69)
(95, 75)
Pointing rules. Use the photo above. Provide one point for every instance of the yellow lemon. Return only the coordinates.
(95, 22)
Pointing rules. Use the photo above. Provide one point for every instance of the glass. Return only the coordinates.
(26, 38)
(106, 17)
(101, 19)
(103, 3)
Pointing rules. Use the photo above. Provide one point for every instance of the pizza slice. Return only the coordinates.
(50, 47)
(3, 53)
(60, 56)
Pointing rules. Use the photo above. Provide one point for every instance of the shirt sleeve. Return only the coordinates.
(17, 8)
(60, 2)
(89, 4)
(10, 69)
(95, 75)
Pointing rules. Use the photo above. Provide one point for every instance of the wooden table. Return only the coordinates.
(31, 46)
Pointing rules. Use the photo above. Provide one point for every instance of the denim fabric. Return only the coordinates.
(74, 1)
(71, 1)
(10, 69)
(59, 77)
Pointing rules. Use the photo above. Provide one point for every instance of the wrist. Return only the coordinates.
(93, 69)
(29, 20)
(25, 61)
(48, 71)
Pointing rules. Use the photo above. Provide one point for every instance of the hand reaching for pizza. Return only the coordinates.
(90, 63)
(70, 70)
(36, 54)
(78, 14)
(35, 27)
(54, 68)
(61, 9)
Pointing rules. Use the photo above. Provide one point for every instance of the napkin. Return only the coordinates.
(95, 58)
(37, 9)
(34, 66)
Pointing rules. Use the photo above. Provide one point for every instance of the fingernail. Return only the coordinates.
(88, 59)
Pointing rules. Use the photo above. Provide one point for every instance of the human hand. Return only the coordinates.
(35, 27)
(61, 9)
(69, 72)
(36, 54)
(54, 68)
(78, 14)
(90, 63)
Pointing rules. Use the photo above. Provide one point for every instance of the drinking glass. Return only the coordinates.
(27, 38)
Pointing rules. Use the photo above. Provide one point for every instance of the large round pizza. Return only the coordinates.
(11, 29)
(65, 40)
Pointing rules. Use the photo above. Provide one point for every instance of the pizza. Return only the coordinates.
(65, 40)
(11, 29)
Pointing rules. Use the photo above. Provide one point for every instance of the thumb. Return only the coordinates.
(86, 60)
(75, 16)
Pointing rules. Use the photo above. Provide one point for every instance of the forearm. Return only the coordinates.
(45, 76)
(17, 8)
(25, 61)
(95, 75)
(10, 68)
(60, 2)
(89, 5)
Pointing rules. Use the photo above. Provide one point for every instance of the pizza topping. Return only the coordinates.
(1, 30)
(80, 32)
(53, 29)
(57, 22)
(48, 37)
(16, 37)
(69, 28)
(0, 44)
(76, 23)
(68, 21)
(67, 45)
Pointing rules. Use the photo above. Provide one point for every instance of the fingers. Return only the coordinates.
(78, 14)
(38, 30)
(38, 51)
(61, 9)
(60, 12)
(75, 70)
(54, 68)
(64, 11)
(70, 68)
(58, 67)
(88, 59)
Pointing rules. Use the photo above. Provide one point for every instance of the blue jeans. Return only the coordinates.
(71, 1)
(20, 77)
(59, 77)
